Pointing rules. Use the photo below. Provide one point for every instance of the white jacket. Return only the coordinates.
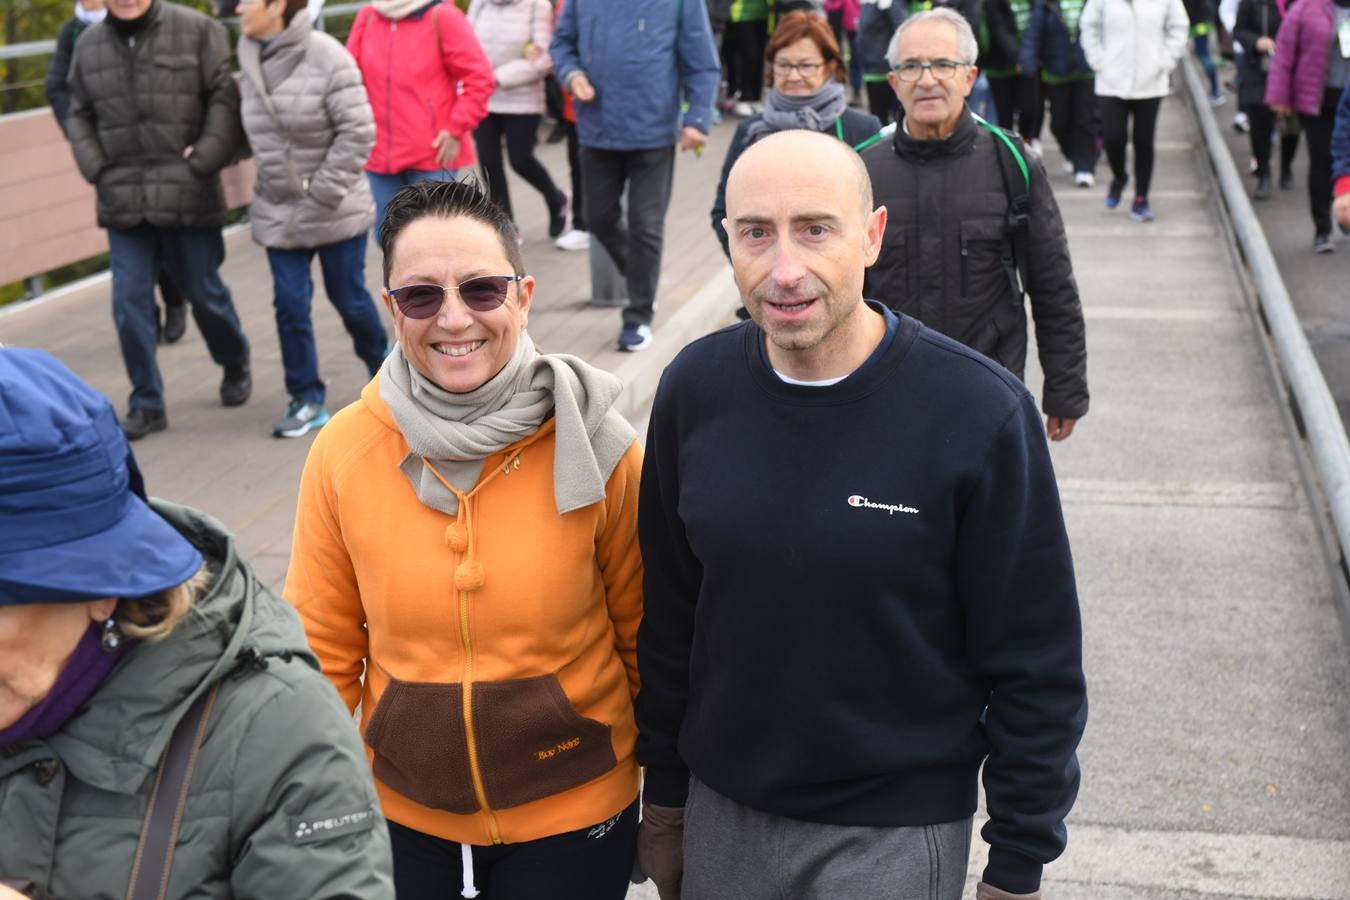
(1133, 45)
(504, 27)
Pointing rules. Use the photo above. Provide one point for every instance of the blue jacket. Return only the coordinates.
(1047, 44)
(644, 58)
(1340, 145)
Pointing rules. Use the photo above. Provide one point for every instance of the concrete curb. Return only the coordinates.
(713, 306)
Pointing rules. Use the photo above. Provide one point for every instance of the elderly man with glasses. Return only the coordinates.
(974, 225)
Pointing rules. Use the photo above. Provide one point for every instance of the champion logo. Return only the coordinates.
(862, 502)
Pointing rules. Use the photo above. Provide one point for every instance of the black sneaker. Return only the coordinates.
(1322, 244)
(1262, 191)
(236, 386)
(1113, 192)
(1286, 181)
(140, 422)
(557, 216)
(175, 323)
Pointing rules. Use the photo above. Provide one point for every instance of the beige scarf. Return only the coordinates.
(456, 432)
(398, 9)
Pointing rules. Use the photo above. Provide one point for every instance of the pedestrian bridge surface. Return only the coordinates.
(1217, 751)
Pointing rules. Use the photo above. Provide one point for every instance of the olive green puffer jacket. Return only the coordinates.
(136, 107)
(281, 802)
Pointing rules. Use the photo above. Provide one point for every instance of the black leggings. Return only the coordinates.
(882, 102)
(743, 57)
(1018, 97)
(1115, 113)
(1073, 121)
(1263, 123)
(1318, 129)
(587, 864)
(521, 132)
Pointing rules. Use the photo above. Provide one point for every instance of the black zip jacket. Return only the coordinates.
(1255, 19)
(856, 594)
(947, 257)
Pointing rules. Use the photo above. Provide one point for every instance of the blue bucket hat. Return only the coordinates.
(72, 526)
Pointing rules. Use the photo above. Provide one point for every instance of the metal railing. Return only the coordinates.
(31, 49)
(1324, 430)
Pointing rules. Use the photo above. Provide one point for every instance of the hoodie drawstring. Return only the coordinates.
(466, 863)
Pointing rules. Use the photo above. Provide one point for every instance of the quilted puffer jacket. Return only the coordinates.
(508, 31)
(136, 106)
(310, 125)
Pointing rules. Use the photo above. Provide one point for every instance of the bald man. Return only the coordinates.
(858, 583)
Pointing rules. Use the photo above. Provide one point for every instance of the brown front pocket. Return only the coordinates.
(532, 743)
(417, 733)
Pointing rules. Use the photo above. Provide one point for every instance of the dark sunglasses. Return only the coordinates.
(482, 294)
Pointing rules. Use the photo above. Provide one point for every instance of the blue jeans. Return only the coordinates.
(384, 187)
(344, 278)
(192, 257)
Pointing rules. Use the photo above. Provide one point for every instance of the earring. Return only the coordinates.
(112, 635)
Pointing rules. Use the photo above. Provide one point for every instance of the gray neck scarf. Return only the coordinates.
(813, 112)
(458, 431)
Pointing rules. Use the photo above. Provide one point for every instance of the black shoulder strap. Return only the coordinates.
(164, 815)
(1012, 167)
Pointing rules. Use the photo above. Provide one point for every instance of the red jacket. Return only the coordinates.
(425, 74)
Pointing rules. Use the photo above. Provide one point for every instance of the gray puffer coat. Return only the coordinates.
(135, 107)
(311, 128)
(281, 802)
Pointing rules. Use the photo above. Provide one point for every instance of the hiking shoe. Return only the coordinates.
(574, 240)
(1322, 244)
(175, 323)
(1114, 191)
(557, 218)
(635, 337)
(140, 422)
(1084, 179)
(236, 386)
(1140, 211)
(300, 419)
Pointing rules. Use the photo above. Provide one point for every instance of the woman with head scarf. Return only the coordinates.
(466, 564)
(138, 651)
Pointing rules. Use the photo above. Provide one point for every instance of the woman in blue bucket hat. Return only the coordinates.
(164, 729)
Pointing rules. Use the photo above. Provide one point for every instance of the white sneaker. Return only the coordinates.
(1068, 166)
(743, 109)
(1034, 147)
(572, 239)
(1084, 180)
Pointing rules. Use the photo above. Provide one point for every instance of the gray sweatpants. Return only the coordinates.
(731, 850)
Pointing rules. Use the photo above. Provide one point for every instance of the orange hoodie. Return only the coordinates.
(499, 645)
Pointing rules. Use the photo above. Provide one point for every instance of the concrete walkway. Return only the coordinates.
(1215, 761)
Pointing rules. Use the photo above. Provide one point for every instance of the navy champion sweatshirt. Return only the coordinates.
(856, 594)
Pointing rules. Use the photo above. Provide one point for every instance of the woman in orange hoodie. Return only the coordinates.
(466, 537)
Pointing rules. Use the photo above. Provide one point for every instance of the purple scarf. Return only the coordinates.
(83, 673)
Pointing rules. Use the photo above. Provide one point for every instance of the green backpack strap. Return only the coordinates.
(1017, 219)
